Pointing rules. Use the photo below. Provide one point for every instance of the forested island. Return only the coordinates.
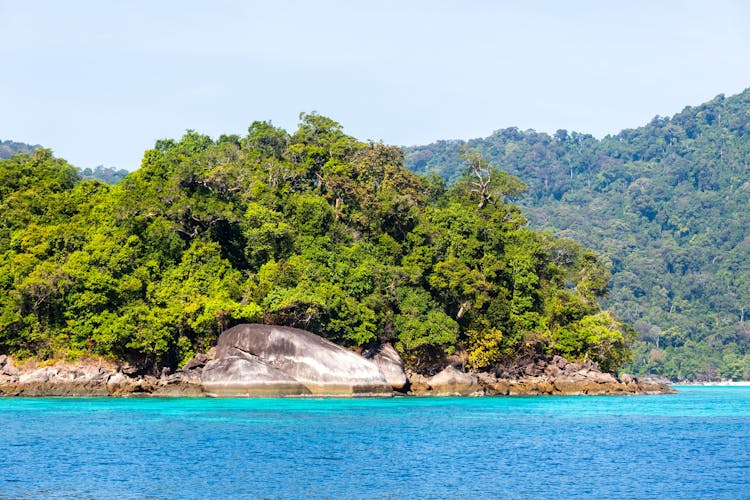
(311, 229)
(665, 206)
(317, 230)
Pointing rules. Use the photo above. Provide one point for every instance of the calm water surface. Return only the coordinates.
(695, 444)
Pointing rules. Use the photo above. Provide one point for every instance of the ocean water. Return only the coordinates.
(695, 444)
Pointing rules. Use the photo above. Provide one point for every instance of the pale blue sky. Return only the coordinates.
(100, 81)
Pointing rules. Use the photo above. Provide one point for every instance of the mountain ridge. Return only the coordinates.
(663, 203)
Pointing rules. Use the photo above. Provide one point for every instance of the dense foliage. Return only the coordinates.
(312, 229)
(666, 205)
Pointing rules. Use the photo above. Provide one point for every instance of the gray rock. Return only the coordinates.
(485, 378)
(534, 368)
(249, 377)
(10, 369)
(387, 359)
(118, 383)
(552, 370)
(559, 361)
(450, 381)
(322, 367)
(655, 379)
(129, 369)
(38, 376)
(417, 382)
(199, 361)
(601, 378)
(571, 368)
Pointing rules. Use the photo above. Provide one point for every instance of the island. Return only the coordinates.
(326, 244)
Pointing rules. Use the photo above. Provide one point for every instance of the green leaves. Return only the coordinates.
(423, 330)
(598, 337)
(313, 229)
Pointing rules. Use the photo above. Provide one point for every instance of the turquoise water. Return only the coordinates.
(695, 444)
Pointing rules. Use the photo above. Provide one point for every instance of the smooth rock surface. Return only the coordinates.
(452, 382)
(322, 367)
(248, 377)
(387, 359)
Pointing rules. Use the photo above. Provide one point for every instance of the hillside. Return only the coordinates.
(108, 175)
(9, 148)
(666, 205)
(101, 173)
(312, 229)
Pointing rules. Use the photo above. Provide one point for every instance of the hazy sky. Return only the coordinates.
(100, 81)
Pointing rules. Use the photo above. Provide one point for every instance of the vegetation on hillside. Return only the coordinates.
(108, 175)
(312, 229)
(9, 148)
(666, 205)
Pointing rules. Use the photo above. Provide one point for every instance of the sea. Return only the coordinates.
(693, 444)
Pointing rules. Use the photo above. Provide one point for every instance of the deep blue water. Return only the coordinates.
(695, 444)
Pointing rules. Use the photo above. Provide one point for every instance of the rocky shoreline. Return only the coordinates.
(553, 376)
(96, 378)
(268, 361)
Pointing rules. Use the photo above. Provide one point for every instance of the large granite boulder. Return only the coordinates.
(275, 358)
(387, 359)
(248, 376)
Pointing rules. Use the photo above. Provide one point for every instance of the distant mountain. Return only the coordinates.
(109, 175)
(667, 204)
(9, 148)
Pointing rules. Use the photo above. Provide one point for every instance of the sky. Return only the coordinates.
(99, 82)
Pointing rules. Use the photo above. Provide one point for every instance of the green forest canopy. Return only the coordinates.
(665, 205)
(312, 229)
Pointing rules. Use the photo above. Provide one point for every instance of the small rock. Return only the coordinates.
(559, 361)
(530, 386)
(38, 376)
(10, 369)
(450, 381)
(571, 368)
(601, 378)
(501, 387)
(197, 363)
(119, 383)
(129, 369)
(418, 383)
(552, 370)
(534, 369)
(485, 378)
